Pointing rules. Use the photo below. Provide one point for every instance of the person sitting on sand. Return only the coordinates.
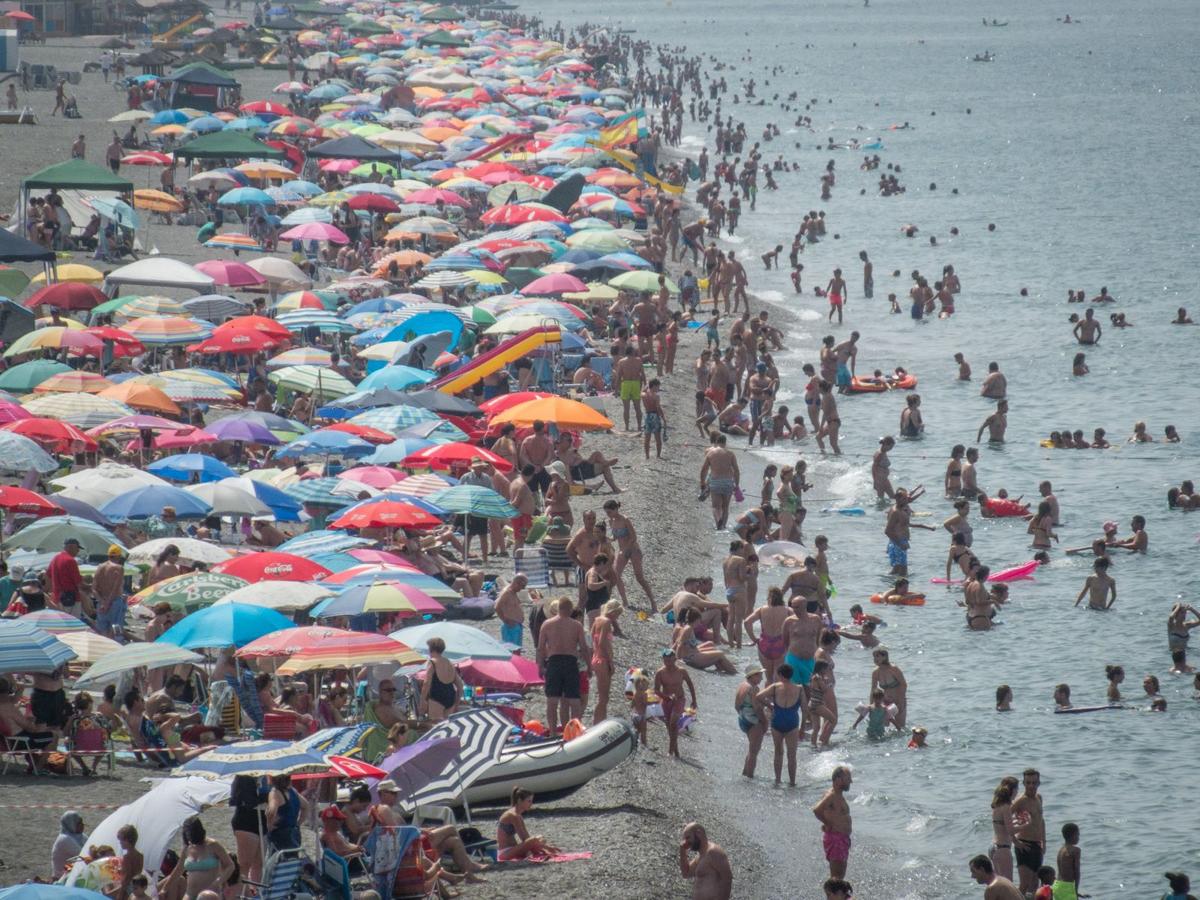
(697, 653)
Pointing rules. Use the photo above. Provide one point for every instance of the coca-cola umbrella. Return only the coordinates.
(20, 500)
(240, 340)
(273, 566)
(456, 454)
(386, 514)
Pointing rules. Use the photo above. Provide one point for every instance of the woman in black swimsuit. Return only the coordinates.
(443, 685)
(954, 471)
(911, 424)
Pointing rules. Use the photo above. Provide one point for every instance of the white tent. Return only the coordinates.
(158, 815)
(161, 272)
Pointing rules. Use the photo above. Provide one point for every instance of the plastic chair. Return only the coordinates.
(281, 873)
(92, 740)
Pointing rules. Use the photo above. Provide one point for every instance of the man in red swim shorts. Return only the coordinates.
(833, 812)
(836, 291)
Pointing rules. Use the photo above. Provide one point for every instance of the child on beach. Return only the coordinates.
(1045, 876)
(1066, 883)
(878, 716)
(820, 703)
(712, 333)
(637, 706)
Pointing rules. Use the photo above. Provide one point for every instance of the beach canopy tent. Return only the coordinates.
(161, 272)
(352, 147)
(440, 38)
(227, 145)
(15, 320)
(17, 249)
(201, 86)
(74, 174)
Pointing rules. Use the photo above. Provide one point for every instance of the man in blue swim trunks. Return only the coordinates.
(802, 632)
(896, 530)
(846, 354)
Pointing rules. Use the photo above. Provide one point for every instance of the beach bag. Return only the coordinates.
(531, 562)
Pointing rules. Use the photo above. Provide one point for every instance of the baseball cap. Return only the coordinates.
(69, 541)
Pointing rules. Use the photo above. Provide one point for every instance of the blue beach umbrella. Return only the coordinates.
(24, 648)
(397, 378)
(141, 503)
(319, 492)
(185, 465)
(248, 196)
(285, 508)
(48, 892)
(322, 542)
(398, 451)
(20, 454)
(327, 443)
(254, 758)
(204, 124)
(473, 500)
(170, 117)
(462, 641)
(225, 625)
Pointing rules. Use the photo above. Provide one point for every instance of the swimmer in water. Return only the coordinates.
(1004, 698)
(1099, 587)
(1182, 317)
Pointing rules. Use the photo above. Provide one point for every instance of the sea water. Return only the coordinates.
(1080, 147)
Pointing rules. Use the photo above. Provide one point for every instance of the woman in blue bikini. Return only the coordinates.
(751, 717)
(785, 699)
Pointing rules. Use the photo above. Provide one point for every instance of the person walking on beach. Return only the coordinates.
(833, 812)
(669, 682)
(719, 478)
(709, 871)
(630, 375)
(836, 291)
(1029, 832)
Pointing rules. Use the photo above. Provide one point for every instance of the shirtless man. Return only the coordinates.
(833, 812)
(1087, 330)
(997, 887)
(761, 387)
(1047, 492)
(537, 451)
(720, 476)
(1029, 832)
(520, 495)
(802, 634)
(736, 571)
(969, 477)
(846, 354)
(669, 682)
(710, 872)
(737, 272)
(964, 367)
(996, 424)
(645, 316)
(656, 418)
(629, 374)
(1100, 587)
(561, 645)
(582, 549)
(995, 385)
(836, 292)
(508, 610)
(804, 583)
(720, 382)
(588, 378)
(695, 596)
(897, 530)
(1139, 541)
(506, 444)
(583, 469)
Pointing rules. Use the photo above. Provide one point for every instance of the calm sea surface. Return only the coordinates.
(1080, 147)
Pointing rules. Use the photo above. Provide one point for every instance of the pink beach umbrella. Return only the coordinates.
(514, 674)
(374, 476)
(10, 412)
(316, 231)
(231, 273)
(431, 196)
(558, 283)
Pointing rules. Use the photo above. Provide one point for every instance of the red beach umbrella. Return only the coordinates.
(66, 295)
(386, 514)
(20, 500)
(456, 453)
(273, 566)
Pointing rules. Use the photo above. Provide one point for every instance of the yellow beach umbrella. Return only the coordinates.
(72, 272)
(156, 201)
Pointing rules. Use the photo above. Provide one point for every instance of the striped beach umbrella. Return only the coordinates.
(473, 500)
(355, 649)
(324, 541)
(323, 384)
(89, 647)
(394, 418)
(482, 734)
(24, 648)
(285, 596)
(150, 305)
(254, 758)
(81, 410)
(332, 492)
(337, 741)
(379, 596)
(54, 621)
(169, 329)
(137, 656)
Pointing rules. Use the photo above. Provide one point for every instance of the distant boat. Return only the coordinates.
(986, 57)
(994, 23)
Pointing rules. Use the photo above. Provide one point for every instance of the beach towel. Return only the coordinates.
(556, 858)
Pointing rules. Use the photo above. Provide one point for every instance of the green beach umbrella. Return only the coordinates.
(111, 306)
(47, 535)
(323, 384)
(24, 378)
(12, 281)
(473, 500)
(641, 280)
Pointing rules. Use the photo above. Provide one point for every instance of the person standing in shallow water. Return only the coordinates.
(833, 812)
(836, 292)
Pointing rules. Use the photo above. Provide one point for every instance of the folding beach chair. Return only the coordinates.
(281, 874)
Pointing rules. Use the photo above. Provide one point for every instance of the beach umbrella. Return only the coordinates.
(506, 401)
(230, 273)
(81, 410)
(281, 274)
(137, 656)
(517, 673)
(273, 566)
(190, 549)
(560, 283)
(641, 280)
(376, 476)
(284, 596)
(230, 624)
(227, 500)
(316, 231)
(321, 383)
(56, 337)
(379, 596)
(136, 423)
(289, 641)
(66, 295)
(456, 454)
(143, 502)
(333, 492)
(473, 500)
(323, 541)
(24, 648)
(386, 514)
(246, 196)
(350, 649)
(188, 592)
(395, 378)
(215, 307)
(149, 305)
(568, 415)
(18, 500)
(168, 330)
(54, 621)
(55, 436)
(253, 758)
(89, 646)
(144, 396)
(232, 429)
(185, 466)
(301, 356)
(28, 375)
(10, 411)
(48, 891)
(462, 641)
(283, 507)
(368, 573)
(243, 341)
(104, 482)
(48, 535)
(327, 443)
